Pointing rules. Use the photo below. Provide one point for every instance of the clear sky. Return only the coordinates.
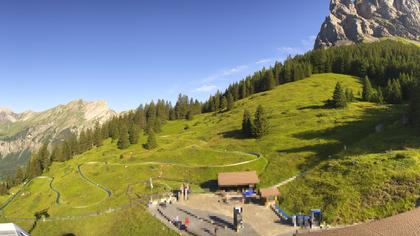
(129, 52)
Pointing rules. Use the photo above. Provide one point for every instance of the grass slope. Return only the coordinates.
(305, 138)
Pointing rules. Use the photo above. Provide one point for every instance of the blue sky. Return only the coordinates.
(129, 52)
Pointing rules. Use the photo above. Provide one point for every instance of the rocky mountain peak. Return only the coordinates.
(354, 21)
(7, 115)
(24, 132)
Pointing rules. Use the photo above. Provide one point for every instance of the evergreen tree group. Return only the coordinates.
(258, 127)
(385, 64)
(341, 97)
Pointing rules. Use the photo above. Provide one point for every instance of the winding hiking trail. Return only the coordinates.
(284, 182)
(257, 155)
(109, 191)
(11, 199)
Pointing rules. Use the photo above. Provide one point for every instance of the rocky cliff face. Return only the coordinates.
(24, 132)
(353, 21)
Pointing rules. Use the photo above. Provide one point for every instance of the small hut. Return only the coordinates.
(269, 195)
(238, 181)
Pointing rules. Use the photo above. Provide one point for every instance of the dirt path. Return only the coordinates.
(11, 199)
(256, 155)
(284, 182)
(107, 190)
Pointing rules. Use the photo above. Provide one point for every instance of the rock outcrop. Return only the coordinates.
(24, 132)
(354, 21)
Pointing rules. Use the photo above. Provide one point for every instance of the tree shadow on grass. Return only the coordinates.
(342, 138)
(236, 134)
(314, 107)
(211, 185)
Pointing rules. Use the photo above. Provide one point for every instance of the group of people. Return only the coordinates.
(184, 191)
(181, 226)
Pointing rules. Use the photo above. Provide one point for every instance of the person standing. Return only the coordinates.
(187, 222)
(215, 231)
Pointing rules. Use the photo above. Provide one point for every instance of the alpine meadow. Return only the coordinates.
(325, 141)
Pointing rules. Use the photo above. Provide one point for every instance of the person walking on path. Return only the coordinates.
(187, 222)
(215, 231)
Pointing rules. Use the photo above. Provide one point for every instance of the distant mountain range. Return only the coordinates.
(21, 133)
(355, 21)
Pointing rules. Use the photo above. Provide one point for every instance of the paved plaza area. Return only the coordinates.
(205, 209)
(200, 222)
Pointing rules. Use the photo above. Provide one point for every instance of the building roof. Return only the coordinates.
(230, 179)
(407, 223)
(11, 229)
(269, 192)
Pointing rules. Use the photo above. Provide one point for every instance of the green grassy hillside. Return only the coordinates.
(94, 192)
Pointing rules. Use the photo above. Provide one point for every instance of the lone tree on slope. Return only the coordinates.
(339, 99)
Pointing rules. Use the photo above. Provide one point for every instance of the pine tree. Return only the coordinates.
(407, 83)
(123, 141)
(367, 90)
(393, 93)
(269, 82)
(3, 188)
(133, 133)
(34, 167)
(190, 115)
(223, 103)
(261, 125)
(113, 130)
(247, 123)
(44, 157)
(89, 140)
(378, 96)
(339, 99)
(230, 102)
(66, 151)
(20, 175)
(57, 154)
(151, 141)
(140, 117)
(157, 125)
(349, 95)
(97, 136)
(414, 107)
